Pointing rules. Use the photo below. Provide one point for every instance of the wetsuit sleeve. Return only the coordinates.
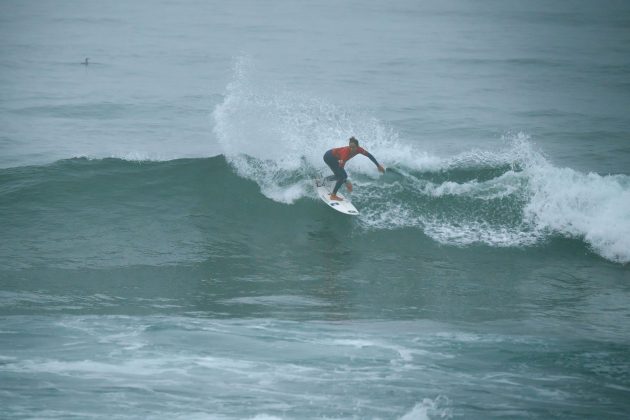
(369, 155)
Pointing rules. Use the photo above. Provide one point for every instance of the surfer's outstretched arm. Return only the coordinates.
(373, 159)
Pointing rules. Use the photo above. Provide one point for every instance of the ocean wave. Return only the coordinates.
(519, 204)
(507, 197)
(512, 196)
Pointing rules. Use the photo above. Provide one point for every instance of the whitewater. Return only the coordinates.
(519, 197)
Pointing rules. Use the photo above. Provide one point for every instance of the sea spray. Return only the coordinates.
(278, 138)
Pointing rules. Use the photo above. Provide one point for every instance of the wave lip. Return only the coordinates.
(592, 207)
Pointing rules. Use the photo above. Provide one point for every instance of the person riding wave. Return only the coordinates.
(336, 159)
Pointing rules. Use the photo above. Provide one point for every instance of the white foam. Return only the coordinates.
(503, 186)
(480, 232)
(288, 194)
(592, 207)
(277, 300)
(556, 201)
(429, 409)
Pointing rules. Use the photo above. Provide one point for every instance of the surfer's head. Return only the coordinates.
(354, 143)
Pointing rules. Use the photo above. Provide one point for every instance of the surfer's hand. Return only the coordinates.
(341, 163)
(349, 186)
(381, 169)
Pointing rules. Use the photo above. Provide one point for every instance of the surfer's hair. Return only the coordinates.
(355, 141)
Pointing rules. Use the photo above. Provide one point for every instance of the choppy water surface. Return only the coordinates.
(163, 253)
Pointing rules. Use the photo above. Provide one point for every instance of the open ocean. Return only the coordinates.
(164, 255)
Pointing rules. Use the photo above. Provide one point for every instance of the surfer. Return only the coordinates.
(85, 63)
(336, 159)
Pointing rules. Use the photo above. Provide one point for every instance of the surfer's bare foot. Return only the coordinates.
(334, 197)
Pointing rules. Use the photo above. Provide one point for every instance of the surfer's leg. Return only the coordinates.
(337, 186)
(341, 176)
(339, 173)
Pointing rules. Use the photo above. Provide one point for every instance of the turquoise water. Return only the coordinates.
(163, 253)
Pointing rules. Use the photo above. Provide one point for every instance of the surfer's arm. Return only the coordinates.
(373, 159)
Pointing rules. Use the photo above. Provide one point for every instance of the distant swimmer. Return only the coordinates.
(85, 63)
(336, 159)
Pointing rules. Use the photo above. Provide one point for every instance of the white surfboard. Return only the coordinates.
(324, 189)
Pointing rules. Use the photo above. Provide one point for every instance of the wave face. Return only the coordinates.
(508, 198)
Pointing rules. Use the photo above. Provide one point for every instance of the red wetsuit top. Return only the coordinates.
(344, 154)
